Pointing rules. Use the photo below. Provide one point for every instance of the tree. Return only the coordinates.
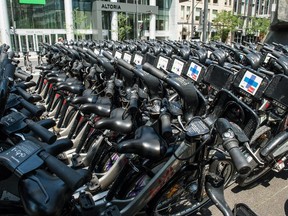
(226, 22)
(123, 28)
(79, 18)
(258, 26)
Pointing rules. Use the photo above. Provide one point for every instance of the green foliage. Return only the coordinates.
(216, 37)
(123, 28)
(258, 25)
(79, 18)
(226, 22)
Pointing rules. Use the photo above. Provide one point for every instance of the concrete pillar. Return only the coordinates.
(173, 14)
(114, 24)
(69, 19)
(152, 24)
(4, 24)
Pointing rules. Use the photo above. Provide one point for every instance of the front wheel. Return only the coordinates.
(177, 197)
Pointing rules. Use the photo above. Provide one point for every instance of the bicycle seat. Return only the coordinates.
(146, 143)
(56, 79)
(44, 67)
(101, 108)
(70, 81)
(77, 89)
(84, 99)
(36, 98)
(115, 122)
(43, 194)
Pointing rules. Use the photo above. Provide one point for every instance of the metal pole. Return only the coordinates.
(14, 26)
(192, 20)
(205, 21)
(136, 18)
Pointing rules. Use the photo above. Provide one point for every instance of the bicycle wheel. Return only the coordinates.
(178, 197)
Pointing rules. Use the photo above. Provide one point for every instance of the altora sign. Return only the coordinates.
(111, 7)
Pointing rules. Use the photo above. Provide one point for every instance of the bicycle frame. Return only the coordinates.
(164, 175)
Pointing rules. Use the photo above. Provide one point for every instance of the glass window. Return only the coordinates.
(30, 42)
(23, 43)
(188, 11)
(197, 14)
(182, 11)
(215, 1)
(162, 22)
(214, 14)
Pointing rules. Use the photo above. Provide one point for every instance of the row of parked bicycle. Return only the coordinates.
(154, 127)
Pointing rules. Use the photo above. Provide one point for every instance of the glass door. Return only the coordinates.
(23, 43)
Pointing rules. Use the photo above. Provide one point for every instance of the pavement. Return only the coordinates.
(268, 198)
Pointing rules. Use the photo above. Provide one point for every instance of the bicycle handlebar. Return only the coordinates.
(231, 144)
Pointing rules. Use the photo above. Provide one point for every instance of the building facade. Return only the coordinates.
(25, 25)
(252, 8)
(190, 13)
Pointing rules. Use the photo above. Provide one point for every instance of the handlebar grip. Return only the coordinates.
(110, 89)
(22, 76)
(27, 96)
(231, 144)
(166, 129)
(154, 71)
(239, 160)
(59, 146)
(107, 55)
(25, 85)
(124, 64)
(42, 132)
(71, 177)
(29, 84)
(25, 73)
(133, 101)
(33, 109)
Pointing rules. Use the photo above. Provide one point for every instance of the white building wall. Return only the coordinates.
(182, 21)
(4, 24)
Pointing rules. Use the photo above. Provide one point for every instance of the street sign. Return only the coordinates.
(41, 2)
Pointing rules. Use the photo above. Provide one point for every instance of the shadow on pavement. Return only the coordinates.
(264, 181)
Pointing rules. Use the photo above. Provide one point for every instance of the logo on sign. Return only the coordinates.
(177, 67)
(250, 83)
(194, 71)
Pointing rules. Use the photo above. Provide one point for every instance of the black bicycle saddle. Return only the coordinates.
(146, 143)
(116, 122)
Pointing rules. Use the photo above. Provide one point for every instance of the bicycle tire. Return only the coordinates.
(174, 190)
